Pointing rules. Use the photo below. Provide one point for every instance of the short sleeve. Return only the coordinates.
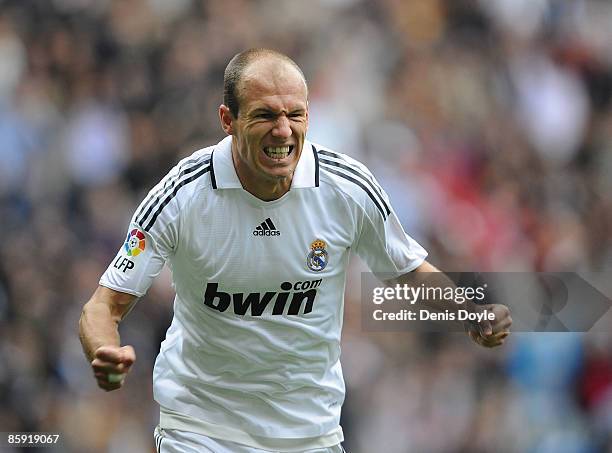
(139, 260)
(384, 245)
(150, 240)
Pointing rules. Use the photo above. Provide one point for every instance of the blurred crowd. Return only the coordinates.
(489, 123)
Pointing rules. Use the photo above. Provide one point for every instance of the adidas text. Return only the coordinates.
(266, 233)
(266, 228)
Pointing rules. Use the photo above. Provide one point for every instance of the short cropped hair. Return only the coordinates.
(235, 69)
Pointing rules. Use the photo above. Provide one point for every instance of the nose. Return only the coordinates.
(282, 128)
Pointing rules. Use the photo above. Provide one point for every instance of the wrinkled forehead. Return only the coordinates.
(272, 79)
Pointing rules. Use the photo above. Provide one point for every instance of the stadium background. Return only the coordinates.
(488, 122)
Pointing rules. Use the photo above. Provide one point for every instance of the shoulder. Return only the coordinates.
(199, 160)
(174, 191)
(190, 172)
(352, 178)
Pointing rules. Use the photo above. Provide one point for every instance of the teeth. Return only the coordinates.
(277, 152)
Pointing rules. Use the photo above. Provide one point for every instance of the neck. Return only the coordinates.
(266, 190)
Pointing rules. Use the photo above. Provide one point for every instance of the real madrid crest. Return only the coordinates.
(318, 257)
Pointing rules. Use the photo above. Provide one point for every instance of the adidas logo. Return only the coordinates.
(266, 228)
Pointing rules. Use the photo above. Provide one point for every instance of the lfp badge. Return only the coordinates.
(135, 242)
(318, 257)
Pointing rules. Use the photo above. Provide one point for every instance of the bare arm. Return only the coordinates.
(488, 333)
(99, 334)
(426, 267)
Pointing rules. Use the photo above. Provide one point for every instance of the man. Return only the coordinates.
(257, 231)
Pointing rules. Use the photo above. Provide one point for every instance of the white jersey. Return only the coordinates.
(254, 346)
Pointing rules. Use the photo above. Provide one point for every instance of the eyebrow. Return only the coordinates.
(271, 110)
(262, 109)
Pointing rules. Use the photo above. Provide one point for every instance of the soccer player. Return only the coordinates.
(257, 231)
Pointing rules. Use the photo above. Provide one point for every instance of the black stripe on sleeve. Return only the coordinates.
(213, 180)
(316, 157)
(357, 182)
(148, 201)
(343, 160)
(357, 171)
(168, 185)
(173, 194)
(361, 176)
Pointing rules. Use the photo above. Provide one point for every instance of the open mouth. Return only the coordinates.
(278, 152)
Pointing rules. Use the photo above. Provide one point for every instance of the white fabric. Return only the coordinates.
(177, 441)
(254, 344)
(173, 420)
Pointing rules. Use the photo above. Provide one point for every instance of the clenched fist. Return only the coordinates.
(111, 364)
(492, 333)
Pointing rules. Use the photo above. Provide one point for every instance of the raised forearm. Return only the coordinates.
(100, 319)
(97, 327)
(431, 281)
(487, 324)
(433, 291)
(99, 333)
